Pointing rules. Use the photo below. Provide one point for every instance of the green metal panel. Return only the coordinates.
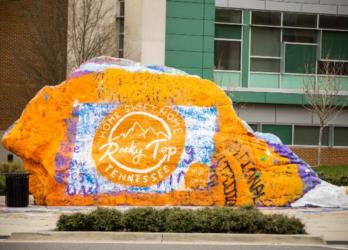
(228, 31)
(190, 33)
(209, 12)
(245, 48)
(208, 44)
(227, 79)
(184, 59)
(184, 42)
(192, 71)
(334, 45)
(300, 58)
(208, 74)
(264, 80)
(284, 98)
(251, 97)
(185, 10)
(184, 26)
(295, 81)
(284, 132)
(209, 27)
(208, 60)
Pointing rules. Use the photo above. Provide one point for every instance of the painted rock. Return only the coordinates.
(120, 133)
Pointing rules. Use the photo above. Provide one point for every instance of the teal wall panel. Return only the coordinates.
(208, 60)
(192, 71)
(258, 80)
(190, 33)
(208, 44)
(227, 79)
(192, 59)
(184, 26)
(295, 81)
(184, 43)
(185, 10)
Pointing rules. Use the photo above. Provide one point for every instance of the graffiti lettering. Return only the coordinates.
(248, 167)
(229, 184)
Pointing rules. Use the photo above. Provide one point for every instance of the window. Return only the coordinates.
(299, 20)
(334, 45)
(265, 65)
(299, 36)
(265, 41)
(266, 18)
(333, 22)
(227, 55)
(265, 49)
(122, 8)
(228, 16)
(332, 67)
(300, 58)
(284, 132)
(341, 136)
(309, 135)
(120, 28)
(228, 35)
(227, 31)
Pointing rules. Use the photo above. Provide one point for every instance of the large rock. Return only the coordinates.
(118, 133)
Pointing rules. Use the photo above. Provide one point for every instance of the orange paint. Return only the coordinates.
(245, 170)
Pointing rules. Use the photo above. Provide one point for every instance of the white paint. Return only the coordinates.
(324, 195)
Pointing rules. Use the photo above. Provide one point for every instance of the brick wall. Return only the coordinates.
(328, 155)
(17, 85)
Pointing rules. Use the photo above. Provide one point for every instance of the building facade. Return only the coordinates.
(261, 52)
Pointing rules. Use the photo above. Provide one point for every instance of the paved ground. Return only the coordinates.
(146, 246)
(330, 223)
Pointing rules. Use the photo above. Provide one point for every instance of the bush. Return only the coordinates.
(143, 220)
(280, 224)
(74, 222)
(180, 220)
(104, 219)
(206, 220)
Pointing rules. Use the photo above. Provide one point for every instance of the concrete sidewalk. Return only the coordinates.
(331, 223)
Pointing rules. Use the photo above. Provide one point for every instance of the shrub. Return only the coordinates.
(104, 219)
(180, 220)
(142, 220)
(74, 222)
(206, 220)
(280, 224)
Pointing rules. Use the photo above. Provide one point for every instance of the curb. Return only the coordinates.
(168, 238)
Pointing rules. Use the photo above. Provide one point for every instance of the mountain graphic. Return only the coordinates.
(141, 132)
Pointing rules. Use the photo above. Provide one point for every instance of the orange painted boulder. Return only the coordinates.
(119, 133)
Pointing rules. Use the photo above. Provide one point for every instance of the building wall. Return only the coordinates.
(330, 156)
(310, 6)
(144, 31)
(17, 85)
(189, 44)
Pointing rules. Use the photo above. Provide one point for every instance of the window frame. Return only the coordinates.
(232, 40)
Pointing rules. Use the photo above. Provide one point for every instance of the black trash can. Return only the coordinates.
(17, 189)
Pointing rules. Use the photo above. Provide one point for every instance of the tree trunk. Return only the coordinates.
(321, 129)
